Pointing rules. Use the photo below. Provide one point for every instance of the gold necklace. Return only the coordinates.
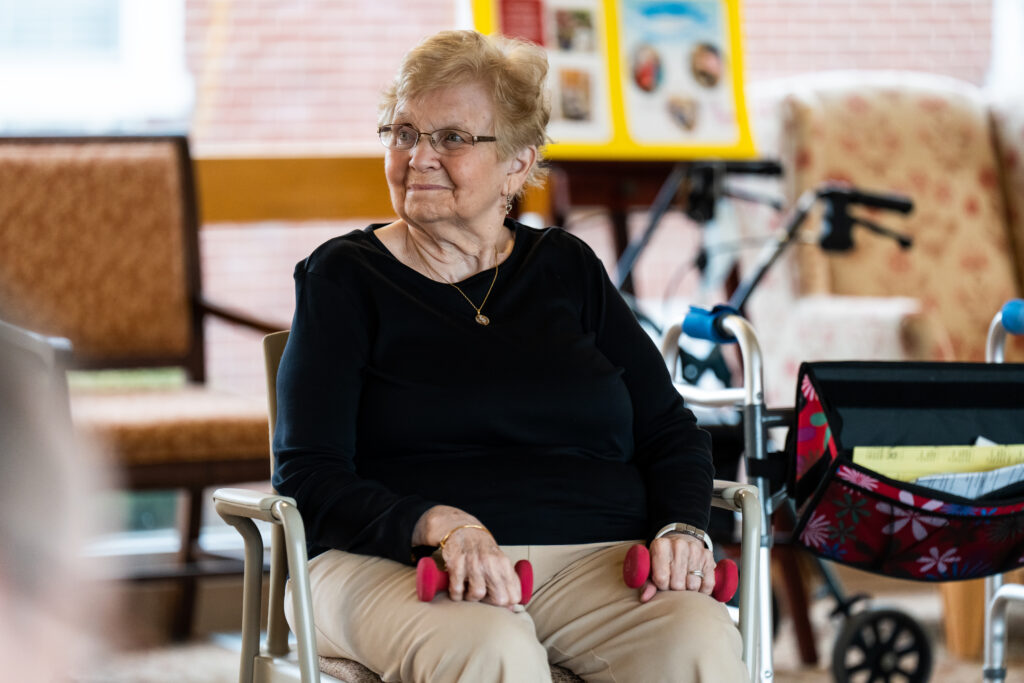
(480, 318)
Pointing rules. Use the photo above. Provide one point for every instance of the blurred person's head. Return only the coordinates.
(44, 518)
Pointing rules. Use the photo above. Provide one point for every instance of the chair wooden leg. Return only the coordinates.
(796, 597)
(184, 609)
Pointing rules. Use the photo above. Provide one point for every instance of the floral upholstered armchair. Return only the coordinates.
(924, 136)
(1008, 123)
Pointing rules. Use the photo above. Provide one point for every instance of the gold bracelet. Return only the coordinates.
(444, 539)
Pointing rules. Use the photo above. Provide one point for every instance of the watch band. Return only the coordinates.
(688, 529)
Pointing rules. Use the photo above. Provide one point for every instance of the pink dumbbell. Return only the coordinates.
(637, 567)
(430, 579)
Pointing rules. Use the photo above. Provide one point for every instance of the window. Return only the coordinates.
(93, 66)
(88, 29)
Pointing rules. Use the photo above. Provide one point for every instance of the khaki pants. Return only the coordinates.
(582, 616)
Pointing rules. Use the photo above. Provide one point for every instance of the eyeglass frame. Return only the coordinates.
(471, 139)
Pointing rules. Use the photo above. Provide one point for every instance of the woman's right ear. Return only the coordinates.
(519, 169)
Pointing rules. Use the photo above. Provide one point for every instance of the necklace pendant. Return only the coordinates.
(482, 319)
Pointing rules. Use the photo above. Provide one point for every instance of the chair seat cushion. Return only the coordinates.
(354, 672)
(191, 423)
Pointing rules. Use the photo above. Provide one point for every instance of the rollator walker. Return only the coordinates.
(724, 324)
(905, 529)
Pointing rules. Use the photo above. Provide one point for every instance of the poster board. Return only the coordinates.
(635, 79)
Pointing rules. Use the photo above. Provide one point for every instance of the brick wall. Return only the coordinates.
(250, 267)
(783, 37)
(304, 76)
(305, 72)
(309, 72)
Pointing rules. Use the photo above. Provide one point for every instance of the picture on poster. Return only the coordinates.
(578, 77)
(677, 83)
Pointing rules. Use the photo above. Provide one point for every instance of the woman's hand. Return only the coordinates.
(477, 569)
(674, 558)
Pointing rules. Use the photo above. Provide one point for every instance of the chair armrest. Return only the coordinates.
(727, 494)
(868, 328)
(832, 327)
(743, 498)
(248, 503)
(239, 318)
(239, 507)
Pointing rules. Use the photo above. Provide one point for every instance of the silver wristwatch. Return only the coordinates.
(688, 529)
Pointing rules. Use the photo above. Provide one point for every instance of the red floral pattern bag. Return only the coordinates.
(860, 518)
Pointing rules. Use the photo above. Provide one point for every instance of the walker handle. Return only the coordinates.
(1013, 316)
(637, 567)
(701, 323)
(430, 579)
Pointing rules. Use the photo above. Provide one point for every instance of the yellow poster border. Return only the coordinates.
(621, 146)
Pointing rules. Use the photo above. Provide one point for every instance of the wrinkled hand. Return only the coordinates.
(673, 557)
(478, 571)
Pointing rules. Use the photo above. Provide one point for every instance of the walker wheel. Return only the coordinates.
(881, 646)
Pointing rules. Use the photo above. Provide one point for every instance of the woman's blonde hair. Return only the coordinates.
(512, 70)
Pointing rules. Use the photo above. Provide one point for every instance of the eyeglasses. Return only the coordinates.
(402, 136)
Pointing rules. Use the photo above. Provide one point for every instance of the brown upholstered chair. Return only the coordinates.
(275, 662)
(99, 244)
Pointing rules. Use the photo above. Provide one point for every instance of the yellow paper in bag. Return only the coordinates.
(907, 463)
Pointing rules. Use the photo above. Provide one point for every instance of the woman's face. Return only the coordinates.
(428, 187)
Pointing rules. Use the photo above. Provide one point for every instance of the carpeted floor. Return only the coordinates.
(209, 662)
(216, 660)
(925, 608)
(200, 662)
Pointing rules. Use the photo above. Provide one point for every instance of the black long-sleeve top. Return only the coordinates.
(555, 424)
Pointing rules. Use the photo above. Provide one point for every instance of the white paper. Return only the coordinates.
(974, 484)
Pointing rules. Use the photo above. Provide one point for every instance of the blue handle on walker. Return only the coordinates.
(700, 323)
(1013, 316)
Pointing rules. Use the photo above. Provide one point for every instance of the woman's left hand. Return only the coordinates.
(677, 562)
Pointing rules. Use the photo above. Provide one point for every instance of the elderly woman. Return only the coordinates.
(455, 380)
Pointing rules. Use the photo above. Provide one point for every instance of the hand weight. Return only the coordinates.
(430, 579)
(637, 567)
